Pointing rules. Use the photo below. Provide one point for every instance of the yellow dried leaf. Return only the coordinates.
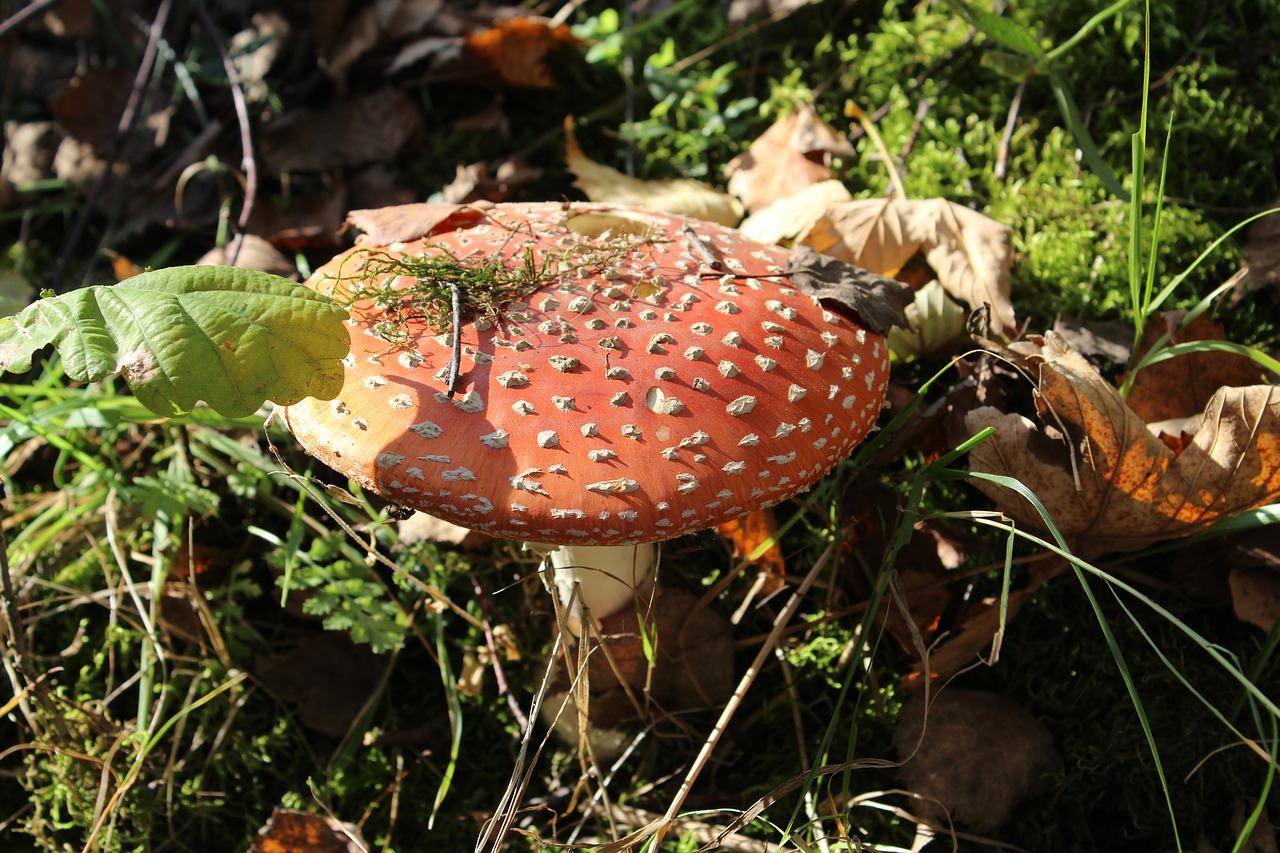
(1107, 481)
(933, 321)
(682, 196)
(787, 217)
(971, 253)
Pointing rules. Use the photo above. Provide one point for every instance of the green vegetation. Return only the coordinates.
(168, 584)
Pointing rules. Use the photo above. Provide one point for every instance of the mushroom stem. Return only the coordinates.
(609, 576)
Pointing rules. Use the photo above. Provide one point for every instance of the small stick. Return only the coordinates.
(701, 249)
(248, 161)
(455, 356)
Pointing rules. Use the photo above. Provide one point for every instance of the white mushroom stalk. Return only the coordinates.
(624, 377)
(602, 579)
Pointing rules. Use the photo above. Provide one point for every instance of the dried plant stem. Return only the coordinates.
(735, 701)
(455, 351)
(124, 129)
(248, 162)
(854, 111)
(20, 17)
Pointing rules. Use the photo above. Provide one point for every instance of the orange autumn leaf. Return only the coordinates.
(1178, 388)
(291, 831)
(1107, 481)
(517, 49)
(754, 531)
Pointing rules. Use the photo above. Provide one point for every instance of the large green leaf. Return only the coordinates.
(230, 337)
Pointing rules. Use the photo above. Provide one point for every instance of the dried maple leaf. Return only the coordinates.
(971, 253)
(682, 195)
(792, 154)
(1109, 483)
(1178, 388)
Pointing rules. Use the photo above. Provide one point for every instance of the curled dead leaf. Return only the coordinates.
(933, 321)
(971, 253)
(1106, 480)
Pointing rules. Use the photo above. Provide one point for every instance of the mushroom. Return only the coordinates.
(623, 377)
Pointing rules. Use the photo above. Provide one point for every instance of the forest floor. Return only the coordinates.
(1039, 609)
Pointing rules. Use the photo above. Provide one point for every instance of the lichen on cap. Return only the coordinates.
(618, 381)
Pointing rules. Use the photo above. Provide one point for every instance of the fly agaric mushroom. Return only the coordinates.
(618, 377)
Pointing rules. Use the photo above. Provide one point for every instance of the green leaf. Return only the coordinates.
(1092, 156)
(230, 337)
(1004, 32)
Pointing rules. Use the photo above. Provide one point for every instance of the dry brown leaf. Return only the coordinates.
(682, 195)
(980, 756)
(255, 254)
(423, 527)
(366, 129)
(972, 639)
(311, 221)
(1262, 253)
(298, 832)
(473, 182)
(328, 674)
(1255, 596)
(1179, 388)
(791, 155)
(788, 217)
(971, 253)
(405, 222)
(1128, 489)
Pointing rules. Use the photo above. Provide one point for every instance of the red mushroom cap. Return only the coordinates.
(630, 393)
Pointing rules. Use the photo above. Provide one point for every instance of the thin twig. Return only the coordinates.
(20, 17)
(455, 352)
(1002, 152)
(248, 162)
(735, 701)
(124, 129)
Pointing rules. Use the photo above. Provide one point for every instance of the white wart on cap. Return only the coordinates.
(630, 393)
